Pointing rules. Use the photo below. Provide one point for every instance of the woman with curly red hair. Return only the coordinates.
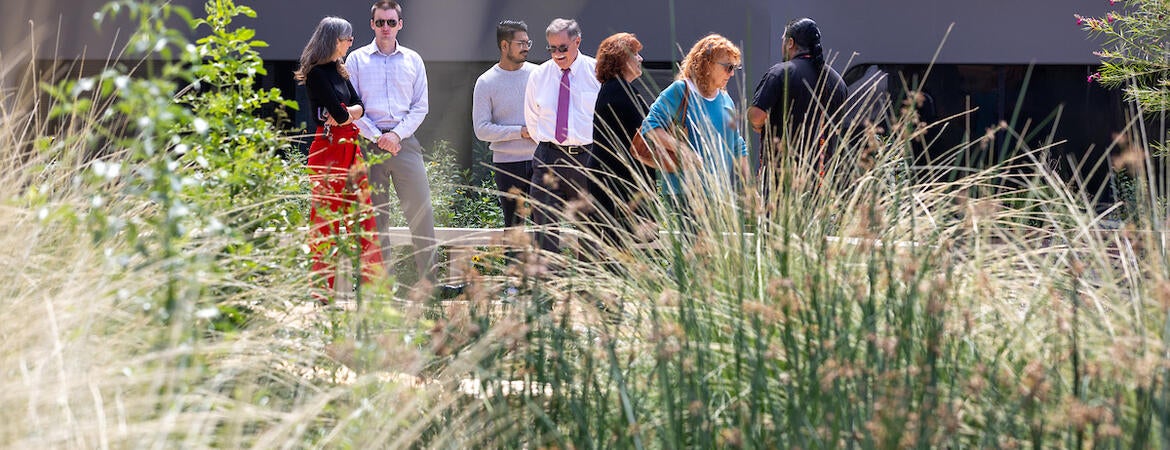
(620, 183)
(702, 132)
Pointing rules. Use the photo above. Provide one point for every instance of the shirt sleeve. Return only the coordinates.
(736, 141)
(355, 99)
(769, 90)
(531, 110)
(419, 104)
(662, 112)
(481, 118)
(319, 87)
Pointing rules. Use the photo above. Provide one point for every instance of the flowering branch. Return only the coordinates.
(1136, 51)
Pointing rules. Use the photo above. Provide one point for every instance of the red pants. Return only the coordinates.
(338, 179)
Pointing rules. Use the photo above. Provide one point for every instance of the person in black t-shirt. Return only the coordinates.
(796, 101)
(335, 162)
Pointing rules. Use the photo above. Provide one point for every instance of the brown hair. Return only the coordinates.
(703, 54)
(614, 53)
(386, 4)
(322, 46)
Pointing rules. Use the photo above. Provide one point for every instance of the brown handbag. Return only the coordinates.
(667, 160)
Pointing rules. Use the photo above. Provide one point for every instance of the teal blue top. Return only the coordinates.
(711, 131)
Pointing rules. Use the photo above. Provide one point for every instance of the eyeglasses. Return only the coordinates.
(525, 44)
(392, 22)
(561, 49)
(730, 67)
(346, 39)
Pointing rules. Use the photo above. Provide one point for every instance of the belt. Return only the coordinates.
(569, 149)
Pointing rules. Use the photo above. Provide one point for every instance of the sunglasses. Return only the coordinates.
(561, 49)
(346, 39)
(392, 22)
(730, 67)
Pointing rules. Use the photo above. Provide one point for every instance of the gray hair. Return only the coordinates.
(322, 44)
(559, 25)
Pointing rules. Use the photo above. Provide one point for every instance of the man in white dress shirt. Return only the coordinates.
(558, 110)
(392, 83)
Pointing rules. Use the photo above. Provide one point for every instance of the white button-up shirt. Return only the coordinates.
(540, 101)
(393, 88)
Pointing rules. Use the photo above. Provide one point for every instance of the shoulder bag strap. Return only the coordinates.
(681, 114)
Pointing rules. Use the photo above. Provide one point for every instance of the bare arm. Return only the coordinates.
(757, 117)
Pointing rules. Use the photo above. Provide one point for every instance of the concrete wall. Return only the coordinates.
(455, 37)
(901, 31)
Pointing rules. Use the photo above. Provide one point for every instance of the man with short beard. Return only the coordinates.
(497, 115)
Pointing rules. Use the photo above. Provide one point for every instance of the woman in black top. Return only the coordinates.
(336, 168)
(621, 185)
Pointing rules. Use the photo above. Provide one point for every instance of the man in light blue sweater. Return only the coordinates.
(497, 113)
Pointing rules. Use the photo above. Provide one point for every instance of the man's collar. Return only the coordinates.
(375, 49)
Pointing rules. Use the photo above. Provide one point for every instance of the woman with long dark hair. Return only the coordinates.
(620, 185)
(340, 191)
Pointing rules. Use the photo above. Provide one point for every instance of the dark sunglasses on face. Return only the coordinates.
(561, 49)
(730, 67)
(346, 39)
(392, 22)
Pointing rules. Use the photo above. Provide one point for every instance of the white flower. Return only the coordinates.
(99, 168)
(214, 225)
(83, 85)
(179, 210)
(200, 125)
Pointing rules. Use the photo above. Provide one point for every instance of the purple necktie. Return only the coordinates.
(563, 108)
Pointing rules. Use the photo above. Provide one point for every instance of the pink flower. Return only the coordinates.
(1080, 20)
(1094, 77)
(1112, 2)
(1109, 17)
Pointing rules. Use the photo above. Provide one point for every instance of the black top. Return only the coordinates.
(788, 90)
(617, 115)
(330, 92)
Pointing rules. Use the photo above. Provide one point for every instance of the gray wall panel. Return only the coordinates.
(1002, 31)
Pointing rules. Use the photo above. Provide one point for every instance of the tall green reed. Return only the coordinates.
(880, 304)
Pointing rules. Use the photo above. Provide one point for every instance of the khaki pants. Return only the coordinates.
(409, 174)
